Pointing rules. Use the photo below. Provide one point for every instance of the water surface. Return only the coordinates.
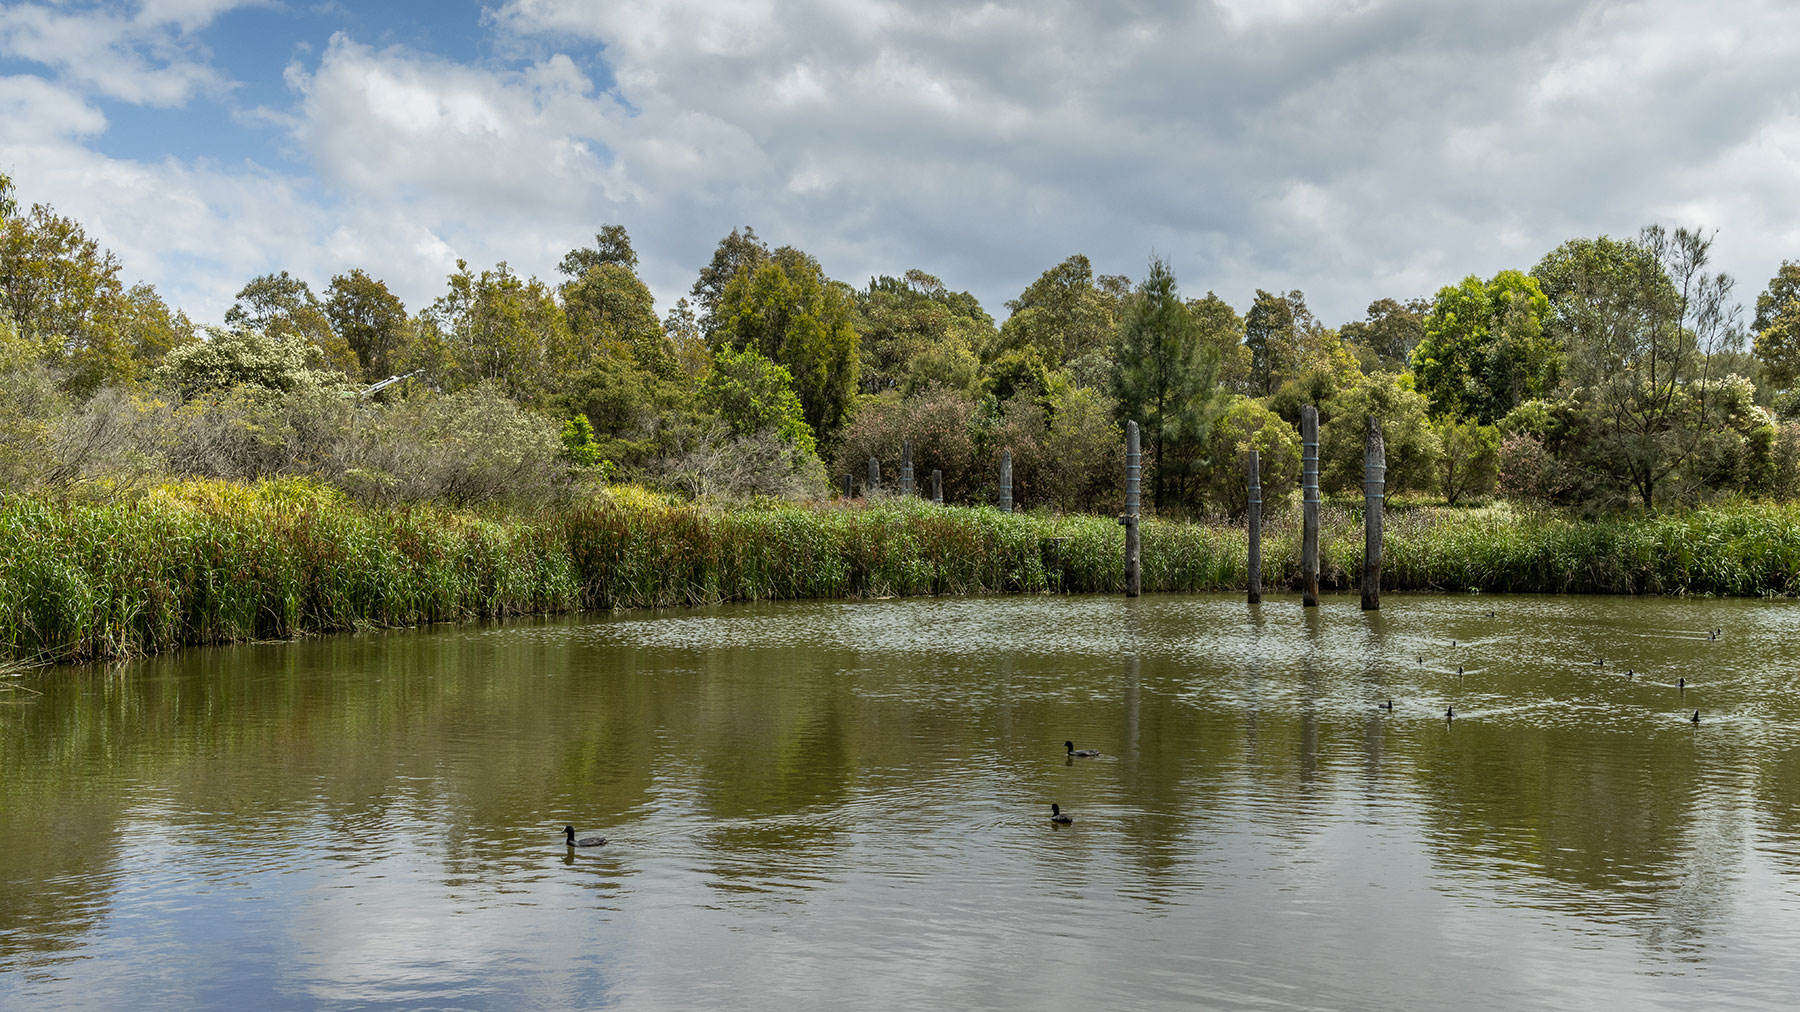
(829, 805)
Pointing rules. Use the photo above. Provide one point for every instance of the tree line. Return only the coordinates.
(1612, 373)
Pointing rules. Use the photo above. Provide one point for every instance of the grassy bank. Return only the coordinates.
(210, 562)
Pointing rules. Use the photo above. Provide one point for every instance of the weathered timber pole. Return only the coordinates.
(937, 486)
(874, 477)
(1309, 495)
(1134, 473)
(1374, 495)
(906, 471)
(1255, 528)
(849, 485)
(1006, 483)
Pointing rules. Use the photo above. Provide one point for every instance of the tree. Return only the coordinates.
(9, 204)
(752, 395)
(66, 304)
(1164, 377)
(1063, 314)
(1470, 462)
(1412, 447)
(1286, 340)
(681, 329)
(789, 311)
(498, 327)
(1485, 348)
(1389, 333)
(1777, 327)
(1222, 330)
(901, 319)
(1084, 446)
(637, 416)
(611, 246)
(608, 303)
(739, 252)
(1645, 320)
(285, 307)
(370, 319)
(1244, 425)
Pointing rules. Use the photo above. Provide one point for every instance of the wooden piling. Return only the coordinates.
(937, 486)
(1309, 494)
(874, 476)
(906, 470)
(1006, 483)
(1374, 495)
(1255, 528)
(1134, 473)
(849, 485)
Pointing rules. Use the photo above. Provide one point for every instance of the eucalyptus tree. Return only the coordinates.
(369, 318)
(787, 309)
(1643, 321)
(1777, 327)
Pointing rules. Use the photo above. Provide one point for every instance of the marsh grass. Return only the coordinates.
(212, 562)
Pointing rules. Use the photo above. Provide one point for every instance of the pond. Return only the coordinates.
(833, 805)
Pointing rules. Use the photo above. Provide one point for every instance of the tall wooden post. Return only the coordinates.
(937, 486)
(874, 476)
(906, 471)
(1006, 483)
(1255, 528)
(1134, 473)
(1374, 489)
(1309, 494)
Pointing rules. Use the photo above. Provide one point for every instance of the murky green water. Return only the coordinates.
(844, 805)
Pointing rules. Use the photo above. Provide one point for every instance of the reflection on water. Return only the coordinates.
(834, 805)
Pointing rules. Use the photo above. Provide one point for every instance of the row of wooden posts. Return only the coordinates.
(1374, 486)
(908, 487)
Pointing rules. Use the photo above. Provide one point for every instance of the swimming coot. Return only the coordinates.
(586, 841)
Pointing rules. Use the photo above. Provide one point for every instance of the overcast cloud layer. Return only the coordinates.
(1351, 149)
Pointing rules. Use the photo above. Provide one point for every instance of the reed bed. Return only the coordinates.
(212, 562)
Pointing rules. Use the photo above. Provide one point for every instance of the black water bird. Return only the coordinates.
(1080, 753)
(1681, 683)
(1057, 816)
(1449, 712)
(1459, 671)
(1629, 672)
(1389, 705)
(1600, 662)
(1695, 719)
(1421, 660)
(1490, 614)
(586, 841)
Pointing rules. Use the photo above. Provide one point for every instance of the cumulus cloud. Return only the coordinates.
(1354, 149)
(146, 56)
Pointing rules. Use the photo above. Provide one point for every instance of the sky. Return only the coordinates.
(1352, 149)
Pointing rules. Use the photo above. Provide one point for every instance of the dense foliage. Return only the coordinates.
(1614, 374)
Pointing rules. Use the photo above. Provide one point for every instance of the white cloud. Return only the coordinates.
(1351, 149)
(147, 58)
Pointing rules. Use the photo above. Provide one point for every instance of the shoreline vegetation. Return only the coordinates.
(208, 562)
